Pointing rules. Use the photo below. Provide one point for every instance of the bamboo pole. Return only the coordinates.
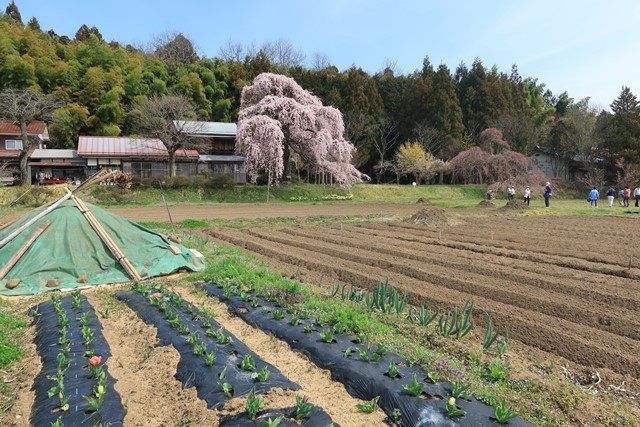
(35, 218)
(25, 246)
(107, 240)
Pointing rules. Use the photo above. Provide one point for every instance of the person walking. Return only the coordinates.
(594, 195)
(548, 192)
(626, 196)
(511, 191)
(621, 196)
(611, 195)
(636, 194)
(527, 195)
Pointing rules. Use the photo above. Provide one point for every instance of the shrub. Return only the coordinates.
(222, 181)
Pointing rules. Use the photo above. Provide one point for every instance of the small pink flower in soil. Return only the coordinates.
(157, 295)
(95, 360)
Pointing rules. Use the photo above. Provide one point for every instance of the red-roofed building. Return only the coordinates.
(143, 157)
(11, 147)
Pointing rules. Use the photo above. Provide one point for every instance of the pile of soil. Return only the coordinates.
(423, 201)
(430, 216)
(486, 204)
(515, 205)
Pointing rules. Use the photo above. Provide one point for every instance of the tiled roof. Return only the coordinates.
(117, 146)
(34, 128)
(207, 128)
(42, 153)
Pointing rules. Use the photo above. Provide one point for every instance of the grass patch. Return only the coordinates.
(11, 325)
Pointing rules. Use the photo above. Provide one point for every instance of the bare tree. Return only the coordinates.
(283, 53)
(21, 107)
(320, 61)
(430, 138)
(166, 118)
(386, 139)
(232, 51)
(174, 49)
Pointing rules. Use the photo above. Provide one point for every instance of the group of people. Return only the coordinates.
(511, 194)
(624, 194)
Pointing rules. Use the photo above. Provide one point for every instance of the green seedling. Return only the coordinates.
(94, 403)
(253, 405)
(490, 334)
(272, 423)
(456, 323)
(368, 407)
(63, 321)
(175, 323)
(433, 377)
(183, 329)
(452, 409)
(339, 329)
(414, 387)
(254, 304)
(63, 361)
(104, 314)
(303, 408)
(193, 339)
(278, 314)
(248, 363)
(226, 388)
(308, 328)
(396, 415)
(495, 372)
(84, 319)
(503, 344)
(393, 371)
(262, 375)
(199, 349)
(294, 321)
(265, 311)
(348, 351)
(502, 413)
(75, 299)
(459, 390)
(326, 336)
(221, 337)
(210, 358)
(64, 402)
(57, 422)
(424, 316)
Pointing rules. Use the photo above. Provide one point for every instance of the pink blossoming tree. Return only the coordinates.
(278, 120)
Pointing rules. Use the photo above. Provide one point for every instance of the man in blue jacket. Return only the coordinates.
(594, 195)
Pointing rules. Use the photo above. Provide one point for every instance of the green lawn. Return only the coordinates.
(11, 325)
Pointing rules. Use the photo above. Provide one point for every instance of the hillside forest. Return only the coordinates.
(443, 110)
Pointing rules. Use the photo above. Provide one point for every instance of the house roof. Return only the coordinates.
(216, 158)
(34, 128)
(120, 146)
(206, 128)
(41, 153)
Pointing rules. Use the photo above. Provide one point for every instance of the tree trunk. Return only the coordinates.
(172, 163)
(24, 155)
(286, 157)
(441, 178)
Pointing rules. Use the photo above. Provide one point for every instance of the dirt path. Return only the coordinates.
(537, 320)
(261, 210)
(316, 383)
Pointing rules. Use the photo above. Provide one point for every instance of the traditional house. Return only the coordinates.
(216, 146)
(143, 157)
(11, 147)
(57, 164)
(556, 166)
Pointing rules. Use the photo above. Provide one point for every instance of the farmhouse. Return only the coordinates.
(142, 157)
(11, 147)
(556, 166)
(216, 146)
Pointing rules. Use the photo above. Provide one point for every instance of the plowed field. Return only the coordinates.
(560, 284)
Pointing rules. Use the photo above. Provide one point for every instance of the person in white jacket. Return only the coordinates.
(527, 195)
(636, 194)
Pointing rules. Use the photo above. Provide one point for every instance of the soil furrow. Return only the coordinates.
(576, 264)
(451, 262)
(581, 344)
(616, 321)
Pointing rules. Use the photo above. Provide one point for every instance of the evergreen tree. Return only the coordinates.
(12, 12)
(34, 24)
(444, 108)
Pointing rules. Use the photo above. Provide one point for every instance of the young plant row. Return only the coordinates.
(94, 362)
(168, 303)
(457, 323)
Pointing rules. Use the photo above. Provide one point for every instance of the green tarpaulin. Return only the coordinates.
(70, 249)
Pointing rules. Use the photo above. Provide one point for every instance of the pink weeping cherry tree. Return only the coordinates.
(278, 119)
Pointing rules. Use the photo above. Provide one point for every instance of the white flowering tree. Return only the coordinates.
(278, 119)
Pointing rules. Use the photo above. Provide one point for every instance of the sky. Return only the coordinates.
(585, 47)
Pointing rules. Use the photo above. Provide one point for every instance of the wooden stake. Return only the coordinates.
(108, 241)
(34, 219)
(25, 246)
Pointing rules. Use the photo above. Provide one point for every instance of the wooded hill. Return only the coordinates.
(445, 111)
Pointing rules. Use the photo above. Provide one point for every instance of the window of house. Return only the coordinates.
(13, 144)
